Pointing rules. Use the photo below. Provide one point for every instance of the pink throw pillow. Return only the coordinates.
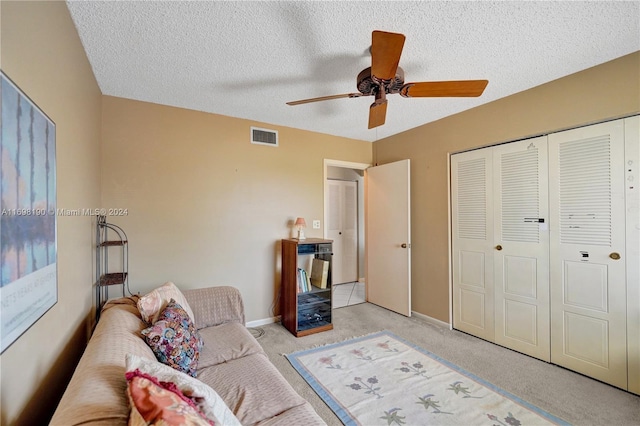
(160, 403)
(151, 305)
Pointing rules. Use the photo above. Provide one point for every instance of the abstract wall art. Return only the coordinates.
(28, 232)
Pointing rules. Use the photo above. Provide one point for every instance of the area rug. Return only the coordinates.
(381, 379)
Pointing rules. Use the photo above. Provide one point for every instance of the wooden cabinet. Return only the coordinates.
(306, 304)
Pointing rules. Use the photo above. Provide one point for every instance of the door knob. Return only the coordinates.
(403, 245)
(615, 256)
(498, 247)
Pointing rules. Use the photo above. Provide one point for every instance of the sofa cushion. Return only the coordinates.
(98, 387)
(215, 305)
(160, 403)
(174, 340)
(204, 397)
(226, 342)
(300, 415)
(252, 387)
(151, 305)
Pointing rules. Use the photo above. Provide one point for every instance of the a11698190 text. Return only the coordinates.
(66, 212)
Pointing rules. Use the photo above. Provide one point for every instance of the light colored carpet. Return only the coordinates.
(575, 398)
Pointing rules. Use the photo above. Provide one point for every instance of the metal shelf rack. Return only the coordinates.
(109, 236)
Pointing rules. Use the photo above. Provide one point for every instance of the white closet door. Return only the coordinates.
(342, 228)
(472, 227)
(587, 251)
(632, 167)
(521, 242)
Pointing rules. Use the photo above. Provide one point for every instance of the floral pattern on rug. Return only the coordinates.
(431, 405)
(380, 379)
(458, 388)
(509, 420)
(393, 417)
(360, 355)
(328, 362)
(369, 385)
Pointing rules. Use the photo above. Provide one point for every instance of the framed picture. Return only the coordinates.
(28, 228)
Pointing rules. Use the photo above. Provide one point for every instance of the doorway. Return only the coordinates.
(351, 288)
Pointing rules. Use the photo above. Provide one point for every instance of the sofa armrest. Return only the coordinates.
(215, 305)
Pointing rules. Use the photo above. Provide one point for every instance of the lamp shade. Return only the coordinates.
(300, 222)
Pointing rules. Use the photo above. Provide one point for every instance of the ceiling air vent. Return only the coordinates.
(264, 136)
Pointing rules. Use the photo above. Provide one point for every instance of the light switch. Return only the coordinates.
(316, 224)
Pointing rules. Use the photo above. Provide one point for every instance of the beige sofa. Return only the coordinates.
(231, 362)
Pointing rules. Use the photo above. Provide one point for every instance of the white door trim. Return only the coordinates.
(450, 241)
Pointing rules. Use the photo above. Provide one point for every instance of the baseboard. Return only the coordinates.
(431, 319)
(264, 321)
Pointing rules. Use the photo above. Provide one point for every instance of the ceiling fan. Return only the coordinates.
(384, 77)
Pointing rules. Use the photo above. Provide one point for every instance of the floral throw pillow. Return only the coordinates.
(174, 340)
(160, 403)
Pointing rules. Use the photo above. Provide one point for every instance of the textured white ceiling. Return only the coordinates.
(247, 59)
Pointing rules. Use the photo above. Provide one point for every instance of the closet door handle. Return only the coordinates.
(615, 256)
(498, 247)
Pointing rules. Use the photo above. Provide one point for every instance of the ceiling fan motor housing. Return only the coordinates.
(370, 85)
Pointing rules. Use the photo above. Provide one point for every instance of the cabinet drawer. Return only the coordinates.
(314, 315)
(324, 248)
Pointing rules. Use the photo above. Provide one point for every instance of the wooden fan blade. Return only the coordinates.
(325, 98)
(435, 89)
(385, 54)
(377, 114)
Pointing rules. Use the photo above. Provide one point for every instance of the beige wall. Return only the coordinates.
(42, 54)
(205, 206)
(607, 91)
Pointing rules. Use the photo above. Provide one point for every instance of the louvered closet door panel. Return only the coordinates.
(472, 203)
(521, 266)
(588, 298)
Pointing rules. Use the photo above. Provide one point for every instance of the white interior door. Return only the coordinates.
(472, 233)
(587, 249)
(388, 236)
(342, 228)
(521, 247)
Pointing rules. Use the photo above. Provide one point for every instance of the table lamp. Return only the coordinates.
(301, 224)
